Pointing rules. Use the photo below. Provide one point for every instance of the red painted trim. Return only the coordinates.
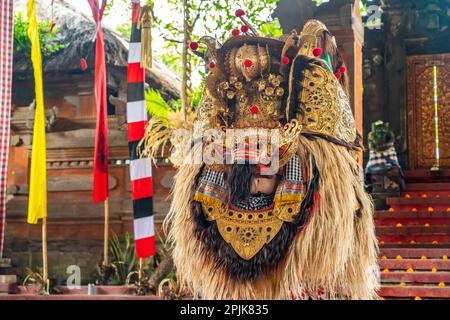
(145, 247)
(142, 188)
(136, 130)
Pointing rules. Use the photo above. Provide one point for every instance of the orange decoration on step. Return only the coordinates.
(407, 195)
(417, 298)
(448, 209)
(392, 209)
(444, 257)
(424, 195)
(386, 270)
(430, 209)
(412, 242)
(383, 258)
(441, 284)
(399, 225)
(414, 209)
(402, 284)
(423, 257)
(434, 242)
(426, 225)
(398, 257)
(433, 270)
(380, 298)
(410, 270)
(381, 242)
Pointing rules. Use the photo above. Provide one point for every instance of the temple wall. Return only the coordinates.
(74, 223)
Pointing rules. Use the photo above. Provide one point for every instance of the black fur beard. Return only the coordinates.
(223, 255)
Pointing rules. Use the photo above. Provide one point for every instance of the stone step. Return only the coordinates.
(430, 253)
(415, 277)
(421, 231)
(431, 239)
(379, 215)
(416, 201)
(415, 264)
(427, 176)
(423, 186)
(415, 244)
(414, 291)
(406, 222)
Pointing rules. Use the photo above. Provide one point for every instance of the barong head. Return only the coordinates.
(295, 85)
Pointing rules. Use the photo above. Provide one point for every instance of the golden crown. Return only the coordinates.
(260, 82)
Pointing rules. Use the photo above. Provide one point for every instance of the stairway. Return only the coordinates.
(414, 239)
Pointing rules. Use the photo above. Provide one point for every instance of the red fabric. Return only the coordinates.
(6, 54)
(136, 9)
(136, 130)
(145, 247)
(135, 73)
(100, 192)
(142, 188)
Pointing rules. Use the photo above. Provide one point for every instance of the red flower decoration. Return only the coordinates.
(285, 60)
(83, 64)
(317, 52)
(193, 45)
(342, 69)
(211, 64)
(254, 109)
(248, 63)
(338, 75)
(244, 28)
(235, 32)
(239, 13)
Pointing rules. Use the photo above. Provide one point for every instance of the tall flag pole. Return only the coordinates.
(37, 201)
(101, 136)
(140, 168)
(6, 61)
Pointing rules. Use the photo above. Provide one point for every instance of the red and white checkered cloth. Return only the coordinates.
(6, 54)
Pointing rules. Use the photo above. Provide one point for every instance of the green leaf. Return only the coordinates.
(156, 105)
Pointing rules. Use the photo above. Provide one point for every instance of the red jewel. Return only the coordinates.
(239, 13)
(285, 60)
(244, 28)
(254, 109)
(342, 69)
(248, 63)
(211, 64)
(338, 75)
(235, 32)
(83, 64)
(193, 45)
(317, 52)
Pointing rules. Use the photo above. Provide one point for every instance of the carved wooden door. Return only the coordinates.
(429, 111)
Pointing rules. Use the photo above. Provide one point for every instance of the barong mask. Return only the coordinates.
(253, 85)
(295, 87)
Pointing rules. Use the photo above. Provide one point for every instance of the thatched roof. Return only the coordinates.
(77, 32)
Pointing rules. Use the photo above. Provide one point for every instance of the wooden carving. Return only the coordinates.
(421, 111)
